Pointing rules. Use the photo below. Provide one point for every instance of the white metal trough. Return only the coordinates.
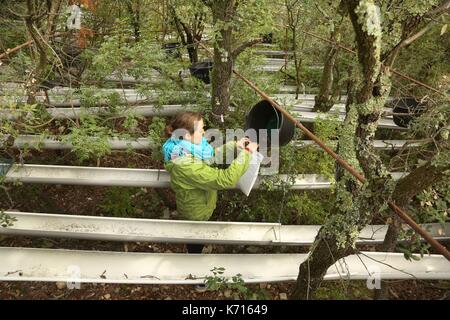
(68, 100)
(300, 112)
(307, 116)
(75, 112)
(145, 111)
(181, 231)
(155, 178)
(378, 144)
(26, 264)
(274, 52)
(52, 143)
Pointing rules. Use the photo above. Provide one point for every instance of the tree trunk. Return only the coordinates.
(355, 203)
(54, 12)
(223, 11)
(134, 19)
(293, 16)
(324, 101)
(192, 48)
(297, 62)
(37, 75)
(312, 271)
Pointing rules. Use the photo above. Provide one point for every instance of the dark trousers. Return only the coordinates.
(194, 248)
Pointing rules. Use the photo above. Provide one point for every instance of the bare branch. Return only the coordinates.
(445, 5)
(326, 15)
(236, 52)
(409, 36)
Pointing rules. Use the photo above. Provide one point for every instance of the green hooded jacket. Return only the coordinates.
(195, 183)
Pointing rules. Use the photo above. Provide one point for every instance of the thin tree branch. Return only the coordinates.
(236, 52)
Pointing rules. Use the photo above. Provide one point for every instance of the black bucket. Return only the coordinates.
(263, 116)
(405, 110)
(201, 70)
(172, 49)
(267, 38)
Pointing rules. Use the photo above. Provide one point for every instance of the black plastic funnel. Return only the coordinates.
(405, 110)
(201, 70)
(263, 116)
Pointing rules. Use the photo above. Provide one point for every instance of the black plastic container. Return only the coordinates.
(172, 49)
(201, 70)
(263, 116)
(267, 38)
(405, 110)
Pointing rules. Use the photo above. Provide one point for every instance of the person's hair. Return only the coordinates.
(185, 120)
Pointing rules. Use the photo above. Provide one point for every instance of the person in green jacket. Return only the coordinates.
(188, 158)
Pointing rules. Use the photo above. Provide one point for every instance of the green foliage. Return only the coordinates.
(132, 202)
(425, 60)
(236, 202)
(396, 14)
(89, 140)
(157, 137)
(248, 64)
(434, 204)
(410, 244)
(343, 290)
(434, 123)
(311, 159)
(118, 202)
(189, 11)
(19, 67)
(131, 124)
(111, 55)
(310, 76)
(310, 209)
(6, 220)
(217, 282)
(91, 97)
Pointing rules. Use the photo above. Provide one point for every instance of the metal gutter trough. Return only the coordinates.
(302, 110)
(181, 231)
(307, 116)
(75, 113)
(51, 143)
(378, 144)
(154, 178)
(74, 266)
(147, 111)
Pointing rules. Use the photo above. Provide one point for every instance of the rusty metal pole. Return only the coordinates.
(400, 212)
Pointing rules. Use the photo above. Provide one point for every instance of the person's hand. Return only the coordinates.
(241, 143)
(252, 147)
